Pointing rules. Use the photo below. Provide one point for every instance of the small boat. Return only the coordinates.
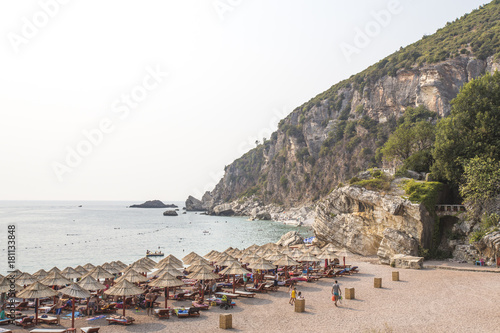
(154, 254)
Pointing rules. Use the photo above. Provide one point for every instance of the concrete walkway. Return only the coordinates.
(460, 267)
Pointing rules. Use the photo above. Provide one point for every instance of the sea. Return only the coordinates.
(72, 233)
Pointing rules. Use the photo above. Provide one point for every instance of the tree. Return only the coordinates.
(410, 144)
(480, 187)
(471, 130)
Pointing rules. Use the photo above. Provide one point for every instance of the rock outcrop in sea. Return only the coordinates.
(170, 213)
(154, 204)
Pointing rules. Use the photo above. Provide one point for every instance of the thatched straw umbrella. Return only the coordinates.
(169, 264)
(296, 253)
(55, 279)
(148, 260)
(261, 264)
(211, 254)
(37, 290)
(132, 276)
(169, 268)
(70, 273)
(124, 288)
(191, 257)
(110, 268)
(99, 273)
(166, 280)
(203, 273)
(118, 264)
(81, 270)
(327, 255)
(25, 279)
(88, 267)
(40, 274)
(233, 269)
(138, 267)
(172, 258)
(89, 283)
(343, 253)
(307, 257)
(74, 291)
(286, 262)
(5, 285)
(314, 250)
(54, 269)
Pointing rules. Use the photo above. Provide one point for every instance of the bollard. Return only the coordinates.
(349, 293)
(300, 305)
(395, 276)
(226, 320)
(377, 282)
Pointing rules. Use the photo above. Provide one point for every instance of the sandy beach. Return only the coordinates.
(427, 300)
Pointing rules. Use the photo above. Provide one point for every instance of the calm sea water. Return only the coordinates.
(59, 233)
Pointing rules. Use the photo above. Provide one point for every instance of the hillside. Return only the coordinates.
(338, 133)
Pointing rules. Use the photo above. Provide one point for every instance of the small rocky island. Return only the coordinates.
(170, 213)
(154, 204)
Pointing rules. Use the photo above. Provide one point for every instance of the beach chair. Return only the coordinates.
(245, 293)
(162, 313)
(181, 312)
(340, 273)
(353, 270)
(191, 295)
(49, 330)
(259, 289)
(5, 321)
(21, 306)
(193, 312)
(90, 329)
(201, 306)
(5, 330)
(48, 319)
(25, 322)
(270, 287)
(120, 320)
(109, 308)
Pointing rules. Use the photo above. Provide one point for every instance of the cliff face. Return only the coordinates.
(367, 222)
(330, 139)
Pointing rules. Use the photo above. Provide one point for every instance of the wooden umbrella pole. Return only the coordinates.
(73, 313)
(36, 311)
(166, 297)
(234, 282)
(124, 306)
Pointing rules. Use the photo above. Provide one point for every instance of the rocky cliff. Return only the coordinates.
(337, 133)
(369, 222)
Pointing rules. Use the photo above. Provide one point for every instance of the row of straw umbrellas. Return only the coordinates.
(167, 271)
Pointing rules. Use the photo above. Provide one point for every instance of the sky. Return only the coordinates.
(142, 100)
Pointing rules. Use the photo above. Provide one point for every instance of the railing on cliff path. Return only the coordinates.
(449, 208)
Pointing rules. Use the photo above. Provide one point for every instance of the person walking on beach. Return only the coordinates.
(336, 292)
(293, 296)
(149, 302)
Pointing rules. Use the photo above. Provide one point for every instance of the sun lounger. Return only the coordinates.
(259, 289)
(245, 293)
(47, 309)
(201, 306)
(191, 295)
(162, 313)
(120, 320)
(25, 322)
(21, 306)
(5, 321)
(229, 295)
(49, 330)
(48, 320)
(181, 313)
(90, 329)
(5, 330)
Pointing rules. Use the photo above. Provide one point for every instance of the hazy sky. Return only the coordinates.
(138, 100)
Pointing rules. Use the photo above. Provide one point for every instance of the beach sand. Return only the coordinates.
(427, 300)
